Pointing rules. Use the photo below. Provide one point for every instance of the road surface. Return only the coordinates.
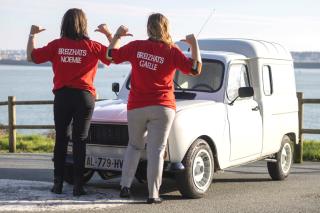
(25, 180)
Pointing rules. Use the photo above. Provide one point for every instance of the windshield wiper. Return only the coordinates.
(179, 87)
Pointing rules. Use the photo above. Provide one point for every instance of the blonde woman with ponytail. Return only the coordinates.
(151, 103)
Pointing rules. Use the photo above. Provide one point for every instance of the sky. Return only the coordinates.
(292, 23)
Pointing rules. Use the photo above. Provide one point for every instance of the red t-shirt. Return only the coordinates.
(74, 62)
(153, 68)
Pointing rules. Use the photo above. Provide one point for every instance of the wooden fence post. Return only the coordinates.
(12, 123)
(299, 146)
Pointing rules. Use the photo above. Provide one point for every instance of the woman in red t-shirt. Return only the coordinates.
(151, 103)
(74, 59)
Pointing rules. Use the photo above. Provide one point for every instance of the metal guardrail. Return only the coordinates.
(12, 127)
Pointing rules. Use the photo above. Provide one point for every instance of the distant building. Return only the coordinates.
(299, 57)
(306, 56)
(16, 55)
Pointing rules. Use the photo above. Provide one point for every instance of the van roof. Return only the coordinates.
(223, 56)
(248, 47)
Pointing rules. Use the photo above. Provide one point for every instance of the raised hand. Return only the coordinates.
(103, 28)
(190, 39)
(36, 29)
(123, 31)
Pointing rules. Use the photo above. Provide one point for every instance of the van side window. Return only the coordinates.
(267, 80)
(238, 77)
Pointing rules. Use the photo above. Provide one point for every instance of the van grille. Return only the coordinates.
(108, 134)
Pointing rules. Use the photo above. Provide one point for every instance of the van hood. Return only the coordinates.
(110, 111)
(115, 111)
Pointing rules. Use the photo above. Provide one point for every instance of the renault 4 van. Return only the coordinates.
(242, 108)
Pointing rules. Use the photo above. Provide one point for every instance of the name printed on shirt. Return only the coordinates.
(71, 55)
(149, 61)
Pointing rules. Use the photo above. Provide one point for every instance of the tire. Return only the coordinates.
(68, 174)
(280, 169)
(195, 180)
(141, 173)
(106, 175)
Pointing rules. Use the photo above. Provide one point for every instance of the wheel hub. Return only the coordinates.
(199, 169)
(286, 158)
(202, 169)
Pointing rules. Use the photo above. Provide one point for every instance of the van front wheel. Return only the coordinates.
(68, 174)
(195, 180)
(280, 169)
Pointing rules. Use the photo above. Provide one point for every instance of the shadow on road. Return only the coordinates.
(240, 180)
(26, 174)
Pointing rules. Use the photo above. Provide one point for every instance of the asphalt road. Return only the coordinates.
(243, 189)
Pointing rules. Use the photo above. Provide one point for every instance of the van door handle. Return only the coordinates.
(255, 108)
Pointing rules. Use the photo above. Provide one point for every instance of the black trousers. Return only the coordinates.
(73, 110)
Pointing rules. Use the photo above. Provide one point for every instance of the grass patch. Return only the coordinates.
(311, 150)
(28, 143)
(45, 144)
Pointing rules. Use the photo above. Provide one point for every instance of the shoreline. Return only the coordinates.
(307, 65)
(304, 65)
(27, 63)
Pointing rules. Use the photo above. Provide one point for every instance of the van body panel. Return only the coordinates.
(239, 130)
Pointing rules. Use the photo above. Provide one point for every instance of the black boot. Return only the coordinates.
(78, 190)
(125, 192)
(57, 185)
(79, 153)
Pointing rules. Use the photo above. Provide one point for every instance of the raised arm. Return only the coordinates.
(115, 42)
(195, 53)
(31, 41)
(103, 28)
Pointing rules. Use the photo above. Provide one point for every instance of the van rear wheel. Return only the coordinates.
(196, 179)
(280, 169)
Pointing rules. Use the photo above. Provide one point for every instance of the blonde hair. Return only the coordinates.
(158, 28)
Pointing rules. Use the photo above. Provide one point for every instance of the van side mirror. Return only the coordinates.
(245, 92)
(115, 88)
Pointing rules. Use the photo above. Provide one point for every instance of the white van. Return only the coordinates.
(242, 108)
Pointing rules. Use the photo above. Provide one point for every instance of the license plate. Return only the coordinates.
(104, 163)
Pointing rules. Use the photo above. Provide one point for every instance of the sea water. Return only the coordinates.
(35, 83)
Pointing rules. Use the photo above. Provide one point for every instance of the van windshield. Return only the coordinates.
(210, 79)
